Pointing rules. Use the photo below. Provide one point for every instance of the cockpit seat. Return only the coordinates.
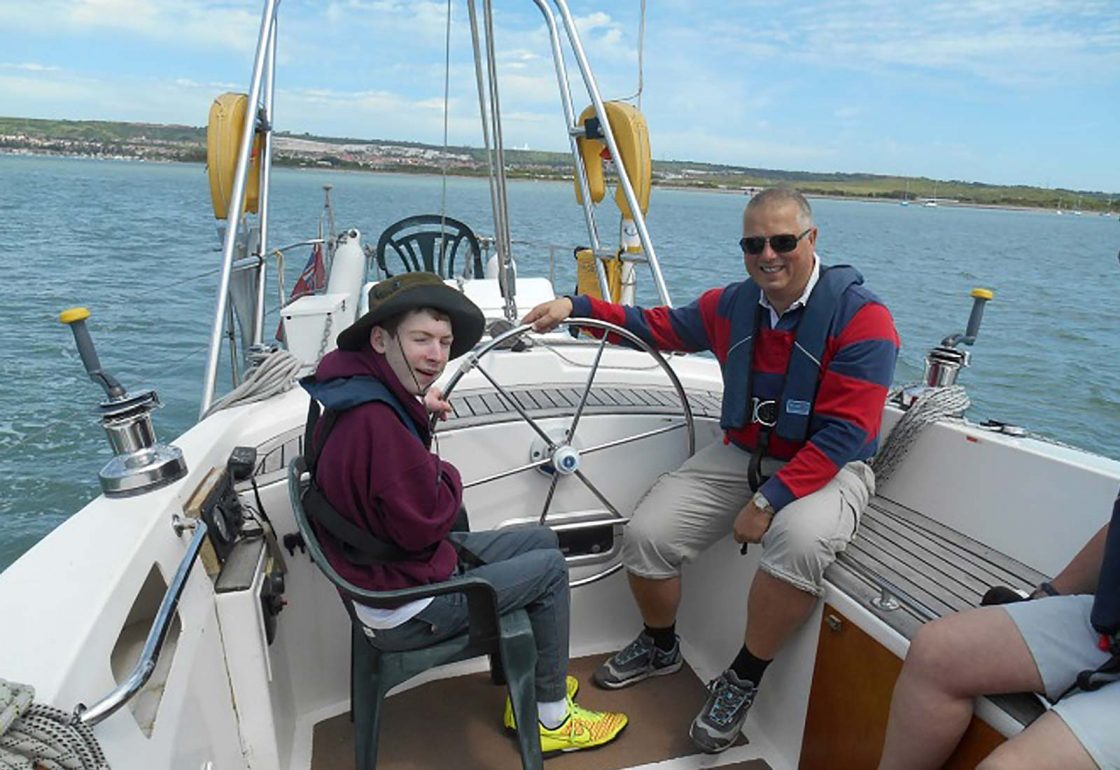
(373, 672)
(432, 243)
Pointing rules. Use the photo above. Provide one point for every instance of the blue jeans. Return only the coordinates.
(528, 571)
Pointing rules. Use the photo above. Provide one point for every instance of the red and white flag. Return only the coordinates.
(313, 279)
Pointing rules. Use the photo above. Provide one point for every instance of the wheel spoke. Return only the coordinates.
(595, 491)
(507, 339)
(635, 437)
(548, 497)
(586, 389)
(510, 472)
(520, 410)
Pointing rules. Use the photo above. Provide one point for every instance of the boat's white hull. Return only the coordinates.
(225, 697)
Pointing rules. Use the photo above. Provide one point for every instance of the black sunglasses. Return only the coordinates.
(781, 244)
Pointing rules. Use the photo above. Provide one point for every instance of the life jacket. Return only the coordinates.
(359, 546)
(1105, 615)
(799, 391)
(1106, 605)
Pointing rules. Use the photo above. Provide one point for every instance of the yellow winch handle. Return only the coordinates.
(73, 315)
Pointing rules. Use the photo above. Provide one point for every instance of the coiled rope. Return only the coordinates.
(935, 404)
(275, 374)
(34, 736)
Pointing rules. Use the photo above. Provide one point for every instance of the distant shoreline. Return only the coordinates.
(530, 177)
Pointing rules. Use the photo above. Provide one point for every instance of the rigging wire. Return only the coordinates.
(637, 95)
(443, 155)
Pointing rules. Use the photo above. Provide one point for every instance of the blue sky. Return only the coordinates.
(1001, 91)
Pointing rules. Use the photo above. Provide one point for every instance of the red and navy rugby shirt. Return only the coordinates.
(857, 368)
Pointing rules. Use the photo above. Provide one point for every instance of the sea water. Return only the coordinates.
(137, 244)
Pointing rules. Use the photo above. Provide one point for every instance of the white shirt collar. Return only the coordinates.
(800, 301)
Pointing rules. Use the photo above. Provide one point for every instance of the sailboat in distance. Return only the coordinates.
(932, 202)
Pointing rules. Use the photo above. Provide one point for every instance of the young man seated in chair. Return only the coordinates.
(376, 469)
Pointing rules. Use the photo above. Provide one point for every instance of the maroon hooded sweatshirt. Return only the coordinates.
(378, 476)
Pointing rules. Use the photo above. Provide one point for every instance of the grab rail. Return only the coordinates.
(149, 656)
(608, 136)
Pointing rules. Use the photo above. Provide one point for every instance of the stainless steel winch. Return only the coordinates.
(141, 463)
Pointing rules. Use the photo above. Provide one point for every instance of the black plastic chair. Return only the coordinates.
(430, 242)
(373, 672)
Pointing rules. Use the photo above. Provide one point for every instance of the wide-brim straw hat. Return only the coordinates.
(412, 291)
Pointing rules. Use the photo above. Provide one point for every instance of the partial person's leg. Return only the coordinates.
(775, 609)
(658, 599)
(681, 515)
(1048, 742)
(802, 542)
(527, 570)
(950, 662)
(803, 539)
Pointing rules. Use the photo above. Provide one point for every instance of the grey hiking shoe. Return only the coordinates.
(637, 661)
(717, 725)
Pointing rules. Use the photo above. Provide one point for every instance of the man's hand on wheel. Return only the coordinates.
(548, 315)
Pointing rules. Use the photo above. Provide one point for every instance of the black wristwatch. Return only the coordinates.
(1044, 589)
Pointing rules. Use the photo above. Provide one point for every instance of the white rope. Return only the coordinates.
(933, 405)
(275, 374)
(37, 737)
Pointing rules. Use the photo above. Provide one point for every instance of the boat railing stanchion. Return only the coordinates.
(885, 601)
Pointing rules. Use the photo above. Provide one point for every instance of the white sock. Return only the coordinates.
(553, 713)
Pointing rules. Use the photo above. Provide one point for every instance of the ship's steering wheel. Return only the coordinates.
(559, 453)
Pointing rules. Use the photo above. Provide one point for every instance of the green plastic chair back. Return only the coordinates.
(430, 242)
(373, 672)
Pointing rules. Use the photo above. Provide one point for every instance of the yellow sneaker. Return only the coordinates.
(583, 729)
(571, 684)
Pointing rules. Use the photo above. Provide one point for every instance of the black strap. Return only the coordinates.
(762, 442)
(468, 559)
(1107, 672)
(310, 448)
(359, 546)
(1096, 678)
(754, 470)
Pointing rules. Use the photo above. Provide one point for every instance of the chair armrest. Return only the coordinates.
(482, 601)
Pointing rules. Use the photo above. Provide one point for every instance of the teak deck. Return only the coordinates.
(457, 722)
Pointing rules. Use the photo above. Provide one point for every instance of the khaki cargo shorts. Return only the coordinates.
(691, 508)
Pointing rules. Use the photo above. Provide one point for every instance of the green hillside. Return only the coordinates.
(187, 143)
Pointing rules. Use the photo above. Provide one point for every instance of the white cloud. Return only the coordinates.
(231, 26)
(30, 67)
(753, 82)
(1019, 43)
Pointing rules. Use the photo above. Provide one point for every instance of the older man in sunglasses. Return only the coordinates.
(807, 355)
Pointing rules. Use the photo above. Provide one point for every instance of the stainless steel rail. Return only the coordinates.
(266, 181)
(887, 590)
(149, 656)
(565, 89)
(608, 135)
(265, 41)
